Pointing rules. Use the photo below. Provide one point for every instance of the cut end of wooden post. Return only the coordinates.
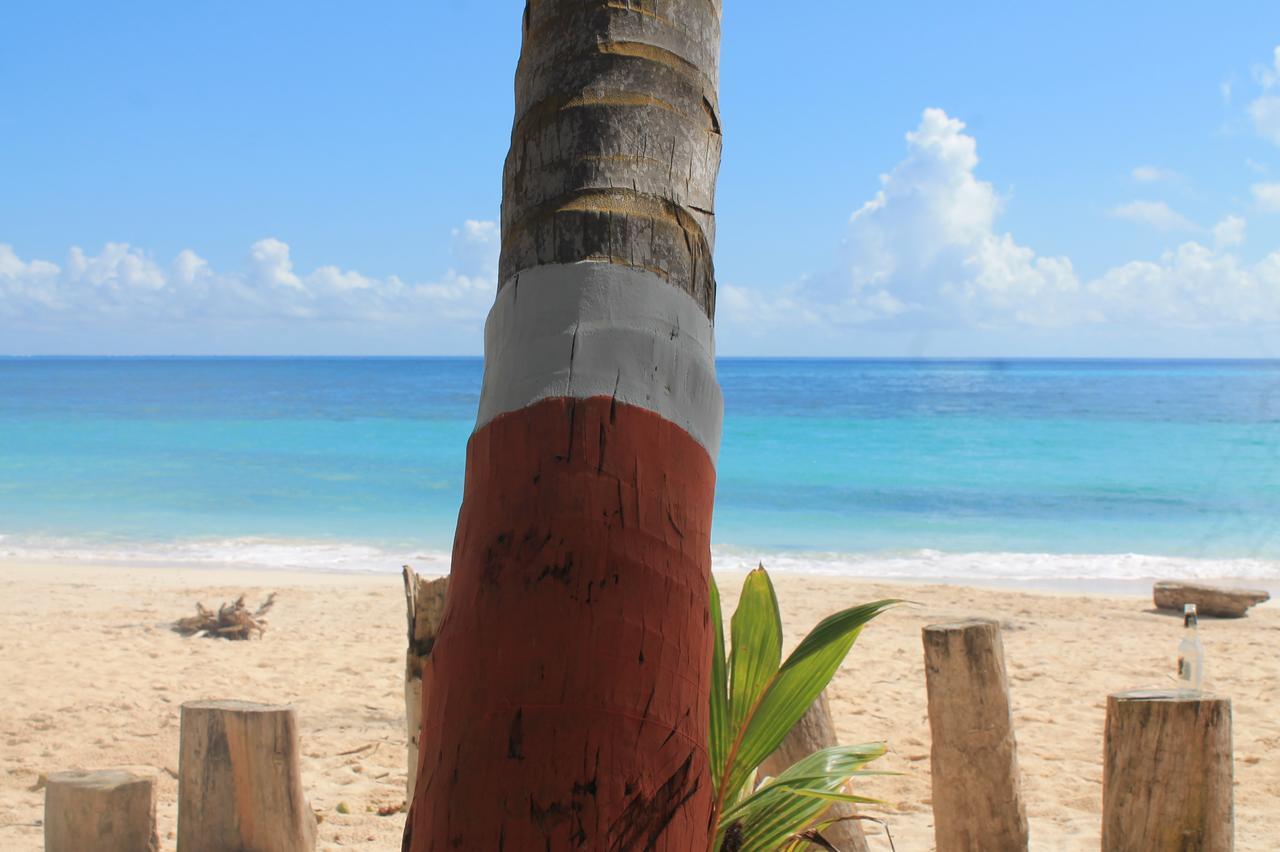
(98, 779)
(1189, 695)
(235, 706)
(962, 624)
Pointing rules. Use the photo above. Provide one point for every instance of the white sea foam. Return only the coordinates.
(935, 565)
(277, 554)
(923, 565)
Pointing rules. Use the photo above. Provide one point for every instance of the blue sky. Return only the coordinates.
(934, 179)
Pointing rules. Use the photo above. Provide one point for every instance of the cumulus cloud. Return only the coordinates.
(928, 246)
(1155, 214)
(121, 280)
(1267, 196)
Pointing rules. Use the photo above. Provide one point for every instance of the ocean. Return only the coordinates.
(1015, 470)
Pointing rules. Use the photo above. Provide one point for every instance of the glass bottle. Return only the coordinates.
(1190, 652)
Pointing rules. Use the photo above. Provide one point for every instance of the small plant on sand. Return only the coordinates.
(756, 699)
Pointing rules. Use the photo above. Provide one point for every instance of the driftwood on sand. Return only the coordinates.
(231, 621)
(1209, 600)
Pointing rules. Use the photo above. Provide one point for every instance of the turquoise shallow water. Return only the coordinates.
(358, 462)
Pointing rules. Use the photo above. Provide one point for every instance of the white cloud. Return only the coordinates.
(476, 245)
(1192, 286)
(1265, 109)
(1265, 112)
(118, 266)
(928, 246)
(930, 230)
(1267, 196)
(1155, 214)
(1229, 232)
(1268, 75)
(271, 264)
(1153, 174)
(123, 283)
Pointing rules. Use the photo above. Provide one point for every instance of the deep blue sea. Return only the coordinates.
(919, 468)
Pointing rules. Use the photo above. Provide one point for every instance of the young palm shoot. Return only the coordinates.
(756, 699)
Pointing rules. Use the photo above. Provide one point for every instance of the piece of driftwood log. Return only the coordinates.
(239, 782)
(109, 810)
(231, 621)
(1209, 600)
(1167, 776)
(814, 732)
(977, 799)
(424, 602)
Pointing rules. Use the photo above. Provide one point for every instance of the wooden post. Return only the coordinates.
(239, 783)
(1166, 781)
(814, 732)
(424, 600)
(977, 801)
(110, 810)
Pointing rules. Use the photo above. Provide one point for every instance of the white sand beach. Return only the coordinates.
(93, 678)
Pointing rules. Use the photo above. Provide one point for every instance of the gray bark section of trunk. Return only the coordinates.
(814, 732)
(616, 143)
(977, 799)
(239, 779)
(1167, 775)
(109, 810)
(594, 329)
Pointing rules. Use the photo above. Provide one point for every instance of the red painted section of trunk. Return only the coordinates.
(566, 696)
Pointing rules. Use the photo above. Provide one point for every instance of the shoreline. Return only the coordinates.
(438, 566)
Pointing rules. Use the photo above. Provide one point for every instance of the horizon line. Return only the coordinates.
(867, 358)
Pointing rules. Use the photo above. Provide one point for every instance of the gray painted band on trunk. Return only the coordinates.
(598, 329)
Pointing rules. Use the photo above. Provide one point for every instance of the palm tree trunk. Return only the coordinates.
(566, 695)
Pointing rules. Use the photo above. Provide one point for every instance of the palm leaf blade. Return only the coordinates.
(756, 650)
(795, 686)
(792, 801)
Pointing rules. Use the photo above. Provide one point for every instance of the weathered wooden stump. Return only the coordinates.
(1167, 776)
(814, 732)
(1221, 601)
(239, 782)
(424, 600)
(110, 810)
(977, 800)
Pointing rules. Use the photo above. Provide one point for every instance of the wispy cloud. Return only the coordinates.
(1264, 110)
(1267, 196)
(1155, 214)
(1153, 174)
